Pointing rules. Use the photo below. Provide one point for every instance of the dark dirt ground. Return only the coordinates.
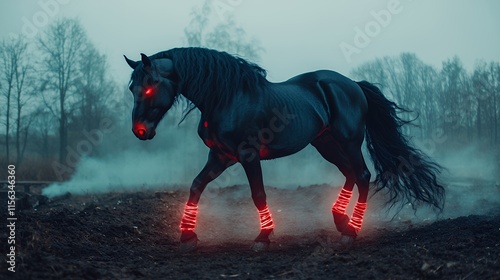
(134, 235)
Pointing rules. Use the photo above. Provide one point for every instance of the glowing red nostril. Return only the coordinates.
(141, 132)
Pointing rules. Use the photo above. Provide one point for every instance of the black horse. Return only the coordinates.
(246, 119)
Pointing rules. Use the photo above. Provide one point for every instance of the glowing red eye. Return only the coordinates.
(149, 91)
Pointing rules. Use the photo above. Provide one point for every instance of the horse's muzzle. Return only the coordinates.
(143, 132)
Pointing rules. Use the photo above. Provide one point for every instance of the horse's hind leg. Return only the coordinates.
(362, 181)
(347, 156)
(332, 152)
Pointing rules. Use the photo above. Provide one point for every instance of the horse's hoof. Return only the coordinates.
(260, 246)
(189, 246)
(345, 242)
(341, 221)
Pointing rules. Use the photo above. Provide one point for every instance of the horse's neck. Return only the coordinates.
(198, 102)
(267, 98)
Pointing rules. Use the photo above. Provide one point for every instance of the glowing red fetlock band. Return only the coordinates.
(342, 201)
(266, 221)
(357, 216)
(188, 221)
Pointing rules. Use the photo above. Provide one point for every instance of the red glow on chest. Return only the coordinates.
(205, 124)
(264, 152)
(210, 143)
(149, 91)
(213, 144)
(323, 130)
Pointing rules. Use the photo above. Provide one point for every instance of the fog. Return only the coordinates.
(431, 36)
(173, 158)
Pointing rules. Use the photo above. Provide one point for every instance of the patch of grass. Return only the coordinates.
(33, 169)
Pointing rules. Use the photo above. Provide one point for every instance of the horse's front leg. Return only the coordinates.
(254, 174)
(216, 164)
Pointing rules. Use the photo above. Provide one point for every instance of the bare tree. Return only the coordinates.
(453, 96)
(495, 72)
(428, 105)
(43, 122)
(17, 70)
(8, 70)
(373, 71)
(486, 86)
(95, 89)
(225, 35)
(24, 84)
(60, 46)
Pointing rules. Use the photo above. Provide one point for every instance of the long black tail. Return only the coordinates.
(406, 172)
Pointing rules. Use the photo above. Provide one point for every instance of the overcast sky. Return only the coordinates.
(297, 36)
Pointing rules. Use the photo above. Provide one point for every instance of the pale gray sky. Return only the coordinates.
(298, 36)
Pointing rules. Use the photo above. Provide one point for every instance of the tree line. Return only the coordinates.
(455, 107)
(57, 90)
(53, 90)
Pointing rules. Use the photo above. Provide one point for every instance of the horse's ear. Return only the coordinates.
(146, 61)
(131, 63)
(165, 66)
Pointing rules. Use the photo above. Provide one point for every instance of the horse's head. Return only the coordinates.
(154, 93)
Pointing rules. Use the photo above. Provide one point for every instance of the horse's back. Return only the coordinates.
(345, 91)
(285, 117)
(343, 100)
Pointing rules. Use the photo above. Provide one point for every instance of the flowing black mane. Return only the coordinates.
(213, 77)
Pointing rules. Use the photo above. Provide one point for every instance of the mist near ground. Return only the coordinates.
(458, 99)
(175, 159)
(175, 156)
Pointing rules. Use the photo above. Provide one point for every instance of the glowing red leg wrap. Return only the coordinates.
(357, 216)
(188, 221)
(342, 201)
(266, 221)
